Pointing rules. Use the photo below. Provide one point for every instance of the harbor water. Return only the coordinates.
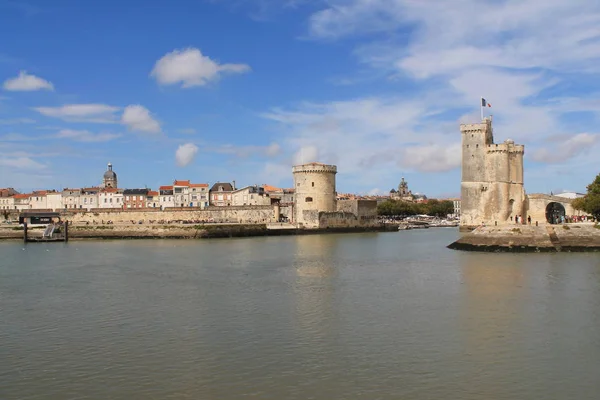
(352, 316)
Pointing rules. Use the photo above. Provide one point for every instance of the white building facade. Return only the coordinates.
(110, 198)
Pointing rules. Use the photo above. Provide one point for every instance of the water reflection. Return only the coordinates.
(313, 286)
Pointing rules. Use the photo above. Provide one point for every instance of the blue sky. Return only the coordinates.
(223, 90)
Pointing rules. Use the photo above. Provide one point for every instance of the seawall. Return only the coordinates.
(183, 231)
(525, 238)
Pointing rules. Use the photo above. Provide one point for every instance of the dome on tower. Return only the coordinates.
(109, 177)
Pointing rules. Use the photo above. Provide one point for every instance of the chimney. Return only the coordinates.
(233, 185)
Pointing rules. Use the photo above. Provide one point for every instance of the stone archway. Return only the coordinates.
(555, 213)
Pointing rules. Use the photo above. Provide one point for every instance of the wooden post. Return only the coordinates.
(24, 231)
(66, 231)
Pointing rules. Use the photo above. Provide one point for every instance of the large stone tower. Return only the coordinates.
(109, 179)
(492, 177)
(315, 192)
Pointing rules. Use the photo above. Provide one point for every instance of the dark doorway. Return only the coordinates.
(555, 213)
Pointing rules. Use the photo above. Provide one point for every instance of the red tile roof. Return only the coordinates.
(21, 196)
(269, 188)
(198, 184)
(181, 183)
(152, 193)
(165, 188)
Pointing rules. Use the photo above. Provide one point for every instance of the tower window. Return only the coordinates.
(313, 184)
(308, 200)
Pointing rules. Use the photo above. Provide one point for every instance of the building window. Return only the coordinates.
(308, 200)
(313, 184)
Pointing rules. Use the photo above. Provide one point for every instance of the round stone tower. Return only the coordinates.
(315, 191)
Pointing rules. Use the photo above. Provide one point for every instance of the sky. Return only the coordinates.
(241, 90)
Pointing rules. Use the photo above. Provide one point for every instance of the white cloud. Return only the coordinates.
(15, 137)
(189, 67)
(20, 163)
(306, 154)
(98, 113)
(271, 150)
(185, 154)
(16, 121)
(85, 136)
(565, 150)
(138, 118)
(431, 158)
(376, 192)
(25, 82)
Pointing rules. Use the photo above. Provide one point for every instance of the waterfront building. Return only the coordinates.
(109, 180)
(37, 200)
(110, 198)
(21, 202)
(7, 192)
(221, 194)
(54, 200)
(71, 198)
(250, 196)
(181, 193)
(152, 199)
(198, 195)
(7, 203)
(165, 197)
(134, 198)
(89, 198)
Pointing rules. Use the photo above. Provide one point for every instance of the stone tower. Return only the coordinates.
(492, 177)
(315, 192)
(110, 178)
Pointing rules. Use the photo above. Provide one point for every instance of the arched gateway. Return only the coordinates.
(555, 213)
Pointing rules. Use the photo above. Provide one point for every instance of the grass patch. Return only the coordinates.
(17, 228)
(566, 227)
(597, 226)
(516, 230)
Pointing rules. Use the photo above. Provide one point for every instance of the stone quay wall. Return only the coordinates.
(235, 215)
(526, 238)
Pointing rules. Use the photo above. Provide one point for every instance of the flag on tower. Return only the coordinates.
(484, 103)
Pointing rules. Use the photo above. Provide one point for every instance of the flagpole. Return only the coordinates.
(481, 107)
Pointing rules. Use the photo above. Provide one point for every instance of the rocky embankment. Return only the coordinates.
(524, 238)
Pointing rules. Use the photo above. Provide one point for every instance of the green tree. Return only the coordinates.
(590, 203)
(439, 208)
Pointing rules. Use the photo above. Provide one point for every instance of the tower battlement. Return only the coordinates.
(506, 147)
(477, 127)
(314, 168)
